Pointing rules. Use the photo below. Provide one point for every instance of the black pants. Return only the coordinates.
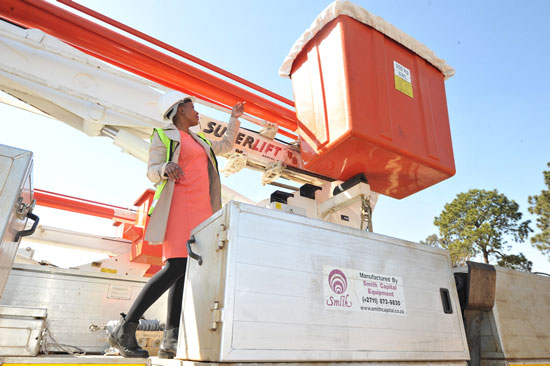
(172, 277)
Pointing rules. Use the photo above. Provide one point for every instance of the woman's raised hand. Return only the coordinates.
(238, 110)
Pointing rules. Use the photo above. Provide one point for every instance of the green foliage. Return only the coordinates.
(517, 262)
(459, 254)
(477, 222)
(432, 241)
(540, 206)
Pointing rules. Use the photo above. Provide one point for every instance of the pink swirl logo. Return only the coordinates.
(337, 281)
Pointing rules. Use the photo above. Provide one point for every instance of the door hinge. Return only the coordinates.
(216, 315)
(222, 237)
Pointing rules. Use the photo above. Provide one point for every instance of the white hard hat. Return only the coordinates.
(168, 103)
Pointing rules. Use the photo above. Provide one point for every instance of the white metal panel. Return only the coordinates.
(202, 289)
(76, 299)
(15, 182)
(166, 362)
(72, 360)
(522, 315)
(21, 330)
(111, 246)
(274, 294)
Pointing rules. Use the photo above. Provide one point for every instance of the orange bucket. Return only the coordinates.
(367, 104)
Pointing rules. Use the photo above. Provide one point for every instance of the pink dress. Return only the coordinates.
(191, 200)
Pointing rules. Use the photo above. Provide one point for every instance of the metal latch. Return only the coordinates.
(222, 237)
(23, 210)
(216, 315)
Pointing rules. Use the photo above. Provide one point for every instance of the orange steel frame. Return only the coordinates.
(82, 206)
(172, 49)
(139, 59)
(132, 222)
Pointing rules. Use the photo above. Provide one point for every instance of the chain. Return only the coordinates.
(366, 213)
(63, 347)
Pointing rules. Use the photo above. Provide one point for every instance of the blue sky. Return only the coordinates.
(499, 99)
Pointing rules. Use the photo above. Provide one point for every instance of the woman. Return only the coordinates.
(184, 167)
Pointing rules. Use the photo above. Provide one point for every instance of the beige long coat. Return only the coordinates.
(157, 164)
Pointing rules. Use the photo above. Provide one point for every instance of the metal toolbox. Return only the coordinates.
(270, 286)
(15, 203)
(21, 330)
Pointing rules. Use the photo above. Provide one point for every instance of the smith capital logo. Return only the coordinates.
(338, 283)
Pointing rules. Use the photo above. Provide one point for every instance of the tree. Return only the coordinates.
(517, 262)
(477, 222)
(432, 241)
(540, 206)
(459, 254)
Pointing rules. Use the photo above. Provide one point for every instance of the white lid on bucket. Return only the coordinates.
(344, 7)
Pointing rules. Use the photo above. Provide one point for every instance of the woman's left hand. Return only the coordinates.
(238, 110)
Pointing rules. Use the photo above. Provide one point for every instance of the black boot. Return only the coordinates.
(169, 343)
(123, 338)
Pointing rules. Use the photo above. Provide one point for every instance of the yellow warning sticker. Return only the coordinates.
(402, 79)
(278, 206)
(403, 86)
(108, 270)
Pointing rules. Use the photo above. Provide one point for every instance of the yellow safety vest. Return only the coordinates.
(169, 145)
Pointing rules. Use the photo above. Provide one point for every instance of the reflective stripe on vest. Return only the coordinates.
(212, 154)
(169, 145)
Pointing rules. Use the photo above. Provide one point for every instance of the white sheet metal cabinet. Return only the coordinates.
(275, 286)
(15, 184)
